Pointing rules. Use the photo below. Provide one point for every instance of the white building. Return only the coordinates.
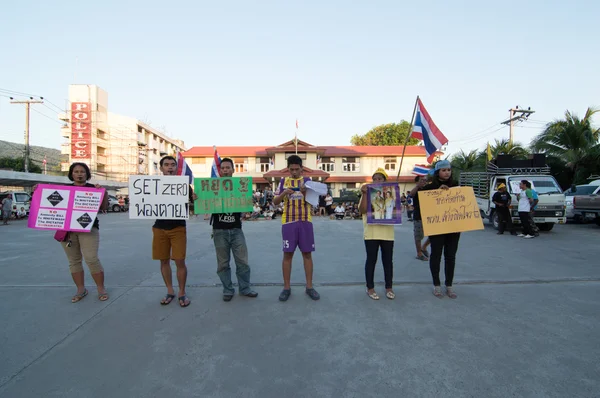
(114, 146)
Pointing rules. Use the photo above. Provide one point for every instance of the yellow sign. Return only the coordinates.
(451, 210)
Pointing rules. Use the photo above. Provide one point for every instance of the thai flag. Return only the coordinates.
(183, 169)
(215, 172)
(426, 130)
(420, 170)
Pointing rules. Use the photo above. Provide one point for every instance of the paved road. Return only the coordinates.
(525, 323)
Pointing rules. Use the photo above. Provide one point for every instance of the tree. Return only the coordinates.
(504, 147)
(572, 140)
(385, 134)
(17, 164)
(463, 161)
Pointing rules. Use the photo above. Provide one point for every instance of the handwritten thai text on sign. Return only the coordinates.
(64, 207)
(451, 210)
(159, 197)
(223, 195)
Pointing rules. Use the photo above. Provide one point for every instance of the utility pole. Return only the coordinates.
(523, 114)
(27, 105)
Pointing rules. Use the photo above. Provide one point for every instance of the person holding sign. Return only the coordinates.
(169, 241)
(297, 228)
(377, 236)
(229, 238)
(446, 243)
(84, 245)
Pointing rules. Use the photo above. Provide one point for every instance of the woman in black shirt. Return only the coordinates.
(446, 243)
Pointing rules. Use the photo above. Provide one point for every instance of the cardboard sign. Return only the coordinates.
(451, 210)
(223, 195)
(159, 197)
(64, 208)
(384, 204)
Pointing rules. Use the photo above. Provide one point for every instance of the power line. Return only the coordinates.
(48, 117)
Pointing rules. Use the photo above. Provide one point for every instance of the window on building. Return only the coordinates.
(301, 154)
(198, 160)
(327, 164)
(390, 163)
(262, 165)
(240, 165)
(351, 165)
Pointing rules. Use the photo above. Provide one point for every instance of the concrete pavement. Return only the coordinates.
(525, 322)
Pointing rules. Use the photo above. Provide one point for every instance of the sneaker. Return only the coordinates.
(521, 235)
(285, 294)
(312, 293)
(437, 292)
(529, 237)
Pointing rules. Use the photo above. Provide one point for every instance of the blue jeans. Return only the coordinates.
(226, 242)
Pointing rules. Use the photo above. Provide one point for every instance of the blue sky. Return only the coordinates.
(236, 73)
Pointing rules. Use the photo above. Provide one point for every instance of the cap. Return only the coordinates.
(501, 186)
(382, 172)
(443, 164)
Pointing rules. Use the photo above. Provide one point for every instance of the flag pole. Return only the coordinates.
(412, 121)
(296, 137)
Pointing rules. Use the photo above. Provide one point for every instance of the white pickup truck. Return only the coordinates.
(550, 209)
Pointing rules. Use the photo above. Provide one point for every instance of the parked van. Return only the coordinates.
(20, 199)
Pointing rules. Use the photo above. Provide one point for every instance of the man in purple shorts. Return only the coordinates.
(297, 228)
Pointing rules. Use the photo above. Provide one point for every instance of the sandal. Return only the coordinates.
(103, 296)
(182, 301)
(167, 299)
(425, 252)
(390, 294)
(78, 297)
(450, 292)
(422, 257)
(437, 292)
(373, 295)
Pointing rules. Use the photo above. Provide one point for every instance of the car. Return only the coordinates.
(113, 204)
(587, 189)
(20, 199)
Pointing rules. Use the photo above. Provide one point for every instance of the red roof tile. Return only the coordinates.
(226, 151)
(232, 151)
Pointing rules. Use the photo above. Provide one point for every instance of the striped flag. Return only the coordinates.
(183, 169)
(420, 170)
(215, 172)
(426, 130)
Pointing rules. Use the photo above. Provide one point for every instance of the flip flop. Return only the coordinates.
(373, 295)
(78, 297)
(390, 294)
(167, 300)
(182, 303)
(103, 296)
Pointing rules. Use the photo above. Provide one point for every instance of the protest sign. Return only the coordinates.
(451, 210)
(64, 207)
(159, 197)
(384, 204)
(223, 195)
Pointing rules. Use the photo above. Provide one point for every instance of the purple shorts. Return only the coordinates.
(298, 234)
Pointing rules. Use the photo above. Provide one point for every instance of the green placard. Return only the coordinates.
(223, 195)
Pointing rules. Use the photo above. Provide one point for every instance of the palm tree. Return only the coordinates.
(505, 147)
(465, 161)
(570, 140)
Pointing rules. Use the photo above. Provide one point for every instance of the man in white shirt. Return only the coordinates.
(339, 212)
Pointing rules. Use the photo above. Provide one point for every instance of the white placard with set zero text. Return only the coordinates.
(159, 197)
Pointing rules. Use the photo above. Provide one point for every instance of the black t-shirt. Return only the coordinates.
(168, 224)
(416, 208)
(501, 197)
(226, 220)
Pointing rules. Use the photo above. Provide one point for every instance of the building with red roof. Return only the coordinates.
(340, 167)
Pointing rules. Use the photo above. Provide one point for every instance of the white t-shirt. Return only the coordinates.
(339, 209)
(328, 200)
(524, 205)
